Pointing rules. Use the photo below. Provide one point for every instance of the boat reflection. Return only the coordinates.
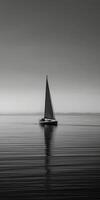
(48, 136)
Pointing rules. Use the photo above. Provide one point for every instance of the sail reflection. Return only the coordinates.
(48, 135)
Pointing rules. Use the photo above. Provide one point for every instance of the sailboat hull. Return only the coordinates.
(44, 121)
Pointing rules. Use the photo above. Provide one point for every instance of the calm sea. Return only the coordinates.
(60, 162)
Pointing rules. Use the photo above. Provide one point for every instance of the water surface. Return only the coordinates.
(60, 162)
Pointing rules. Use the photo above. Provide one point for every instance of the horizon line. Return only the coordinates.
(56, 113)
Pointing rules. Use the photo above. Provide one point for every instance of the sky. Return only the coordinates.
(58, 38)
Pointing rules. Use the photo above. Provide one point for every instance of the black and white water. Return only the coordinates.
(60, 162)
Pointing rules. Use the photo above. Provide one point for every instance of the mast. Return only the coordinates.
(48, 104)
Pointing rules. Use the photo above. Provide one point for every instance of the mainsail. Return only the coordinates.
(48, 104)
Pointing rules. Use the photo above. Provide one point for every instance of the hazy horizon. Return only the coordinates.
(57, 113)
(60, 38)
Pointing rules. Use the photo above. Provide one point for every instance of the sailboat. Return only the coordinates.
(49, 117)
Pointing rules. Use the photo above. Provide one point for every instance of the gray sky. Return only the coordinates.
(60, 38)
